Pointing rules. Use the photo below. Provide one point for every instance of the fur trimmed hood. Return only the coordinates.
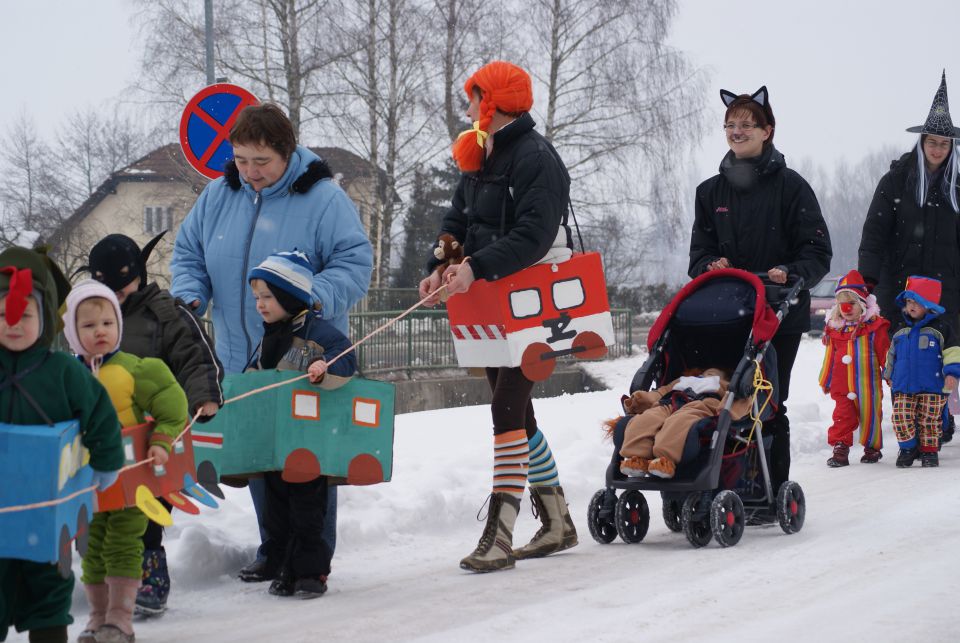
(316, 171)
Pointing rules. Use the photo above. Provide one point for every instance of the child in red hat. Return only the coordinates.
(922, 369)
(856, 337)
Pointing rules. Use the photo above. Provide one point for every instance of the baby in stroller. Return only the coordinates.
(656, 433)
(704, 427)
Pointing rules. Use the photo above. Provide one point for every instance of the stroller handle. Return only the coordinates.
(781, 296)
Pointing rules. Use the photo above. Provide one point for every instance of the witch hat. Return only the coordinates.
(938, 120)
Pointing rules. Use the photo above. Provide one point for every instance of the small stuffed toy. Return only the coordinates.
(450, 253)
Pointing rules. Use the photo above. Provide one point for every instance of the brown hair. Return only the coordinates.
(762, 116)
(267, 125)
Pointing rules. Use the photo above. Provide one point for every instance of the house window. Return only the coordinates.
(157, 218)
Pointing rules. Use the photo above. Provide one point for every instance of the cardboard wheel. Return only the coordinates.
(590, 344)
(65, 558)
(83, 531)
(534, 365)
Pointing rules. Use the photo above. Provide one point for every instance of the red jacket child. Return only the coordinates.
(857, 340)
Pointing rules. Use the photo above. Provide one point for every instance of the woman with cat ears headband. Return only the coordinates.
(761, 216)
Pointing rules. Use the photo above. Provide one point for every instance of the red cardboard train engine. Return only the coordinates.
(532, 317)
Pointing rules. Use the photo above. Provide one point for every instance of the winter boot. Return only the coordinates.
(310, 587)
(662, 468)
(929, 459)
(55, 634)
(152, 596)
(121, 599)
(282, 586)
(495, 549)
(840, 457)
(906, 457)
(633, 467)
(557, 531)
(871, 455)
(258, 571)
(97, 597)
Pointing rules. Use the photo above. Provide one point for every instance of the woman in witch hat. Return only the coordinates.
(912, 227)
(760, 216)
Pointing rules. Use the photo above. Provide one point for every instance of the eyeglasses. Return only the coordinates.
(746, 127)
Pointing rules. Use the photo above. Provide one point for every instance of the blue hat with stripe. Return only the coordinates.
(291, 272)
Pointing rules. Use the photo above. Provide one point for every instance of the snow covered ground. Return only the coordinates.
(876, 560)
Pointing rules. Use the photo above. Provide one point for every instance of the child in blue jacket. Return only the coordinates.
(923, 365)
(296, 337)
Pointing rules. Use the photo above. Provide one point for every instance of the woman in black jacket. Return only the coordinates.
(913, 227)
(509, 213)
(760, 216)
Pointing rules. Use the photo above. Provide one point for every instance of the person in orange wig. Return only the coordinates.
(508, 213)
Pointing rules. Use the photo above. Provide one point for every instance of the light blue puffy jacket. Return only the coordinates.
(231, 229)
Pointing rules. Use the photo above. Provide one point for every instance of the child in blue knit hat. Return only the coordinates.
(296, 338)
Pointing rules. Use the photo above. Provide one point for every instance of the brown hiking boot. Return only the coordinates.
(557, 532)
(632, 466)
(495, 549)
(871, 455)
(662, 468)
(840, 457)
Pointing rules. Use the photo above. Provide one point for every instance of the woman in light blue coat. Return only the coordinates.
(274, 196)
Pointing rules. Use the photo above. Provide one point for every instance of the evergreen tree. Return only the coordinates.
(432, 189)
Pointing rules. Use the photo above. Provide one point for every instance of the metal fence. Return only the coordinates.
(422, 340)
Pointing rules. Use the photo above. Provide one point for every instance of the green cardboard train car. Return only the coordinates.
(299, 429)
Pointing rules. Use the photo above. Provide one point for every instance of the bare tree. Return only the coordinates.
(617, 102)
(278, 49)
(384, 107)
(844, 193)
(91, 145)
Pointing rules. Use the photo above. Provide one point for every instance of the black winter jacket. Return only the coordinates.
(157, 325)
(507, 215)
(901, 239)
(759, 214)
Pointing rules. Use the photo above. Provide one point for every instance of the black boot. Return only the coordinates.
(929, 459)
(906, 457)
(258, 571)
(56, 634)
(310, 587)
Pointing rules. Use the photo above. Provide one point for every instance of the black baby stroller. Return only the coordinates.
(721, 319)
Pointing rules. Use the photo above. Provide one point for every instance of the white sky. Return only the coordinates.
(845, 77)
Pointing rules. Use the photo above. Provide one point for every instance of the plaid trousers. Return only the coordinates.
(921, 411)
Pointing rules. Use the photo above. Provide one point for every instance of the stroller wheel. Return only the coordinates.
(633, 516)
(695, 518)
(600, 518)
(791, 507)
(726, 518)
(671, 515)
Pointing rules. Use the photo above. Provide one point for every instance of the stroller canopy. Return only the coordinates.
(716, 298)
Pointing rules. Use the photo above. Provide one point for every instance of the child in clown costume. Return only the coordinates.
(93, 326)
(857, 339)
